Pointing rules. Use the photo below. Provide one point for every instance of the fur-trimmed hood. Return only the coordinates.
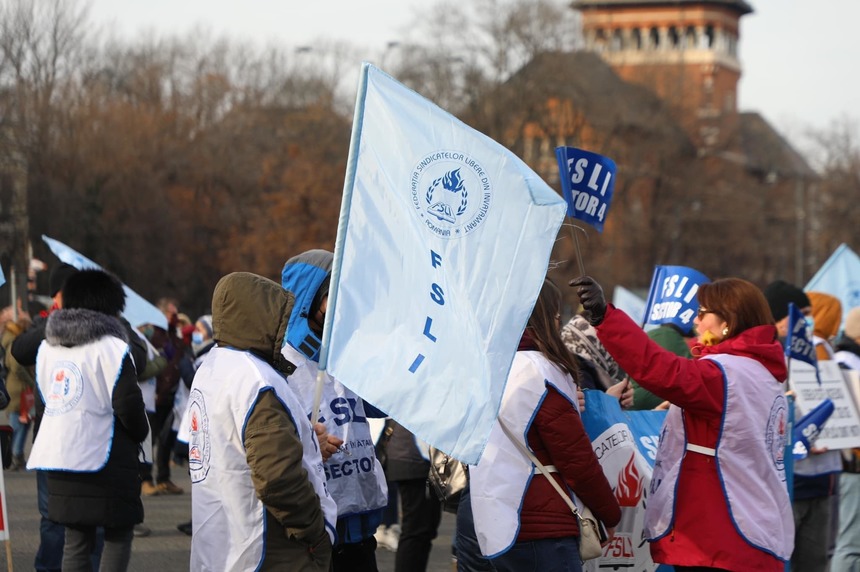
(79, 326)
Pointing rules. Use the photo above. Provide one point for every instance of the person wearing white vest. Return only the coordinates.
(353, 474)
(93, 424)
(718, 497)
(259, 498)
(520, 521)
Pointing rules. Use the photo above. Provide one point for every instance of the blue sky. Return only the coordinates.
(799, 57)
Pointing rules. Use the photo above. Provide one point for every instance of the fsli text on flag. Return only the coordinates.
(672, 296)
(587, 181)
(443, 245)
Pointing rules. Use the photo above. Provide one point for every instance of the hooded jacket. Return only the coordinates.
(249, 313)
(361, 495)
(111, 496)
(827, 313)
(703, 533)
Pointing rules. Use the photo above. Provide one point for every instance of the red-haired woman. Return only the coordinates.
(718, 498)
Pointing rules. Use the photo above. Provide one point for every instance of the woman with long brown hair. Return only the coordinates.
(718, 499)
(521, 522)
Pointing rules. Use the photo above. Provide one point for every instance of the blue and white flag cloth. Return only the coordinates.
(137, 310)
(2, 277)
(672, 296)
(587, 181)
(625, 443)
(808, 428)
(839, 276)
(798, 343)
(443, 244)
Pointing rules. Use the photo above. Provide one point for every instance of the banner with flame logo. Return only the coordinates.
(626, 445)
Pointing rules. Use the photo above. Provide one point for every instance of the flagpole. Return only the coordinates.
(343, 219)
(576, 245)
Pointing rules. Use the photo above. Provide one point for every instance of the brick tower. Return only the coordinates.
(685, 51)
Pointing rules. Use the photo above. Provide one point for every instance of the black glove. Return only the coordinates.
(591, 297)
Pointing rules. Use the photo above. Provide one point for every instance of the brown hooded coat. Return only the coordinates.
(250, 313)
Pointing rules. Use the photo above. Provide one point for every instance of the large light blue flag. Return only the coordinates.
(672, 297)
(443, 245)
(137, 310)
(840, 277)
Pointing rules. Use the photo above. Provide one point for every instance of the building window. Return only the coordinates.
(617, 43)
(654, 38)
(637, 39)
(674, 38)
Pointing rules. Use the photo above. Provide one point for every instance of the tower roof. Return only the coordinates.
(739, 5)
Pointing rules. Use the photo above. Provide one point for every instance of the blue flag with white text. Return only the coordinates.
(672, 296)
(839, 276)
(443, 244)
(587, 181)
(809, 426)
(137, 310)
(798, 343)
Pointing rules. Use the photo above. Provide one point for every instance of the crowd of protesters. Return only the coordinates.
(232, 394)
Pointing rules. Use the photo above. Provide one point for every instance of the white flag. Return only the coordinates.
(443, 245)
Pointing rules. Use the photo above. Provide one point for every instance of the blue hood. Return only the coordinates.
(305, 275)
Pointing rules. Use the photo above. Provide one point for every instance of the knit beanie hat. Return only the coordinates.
(780, 294)
(852, 323)
(58, 277)
(206, 320)
(827, 312)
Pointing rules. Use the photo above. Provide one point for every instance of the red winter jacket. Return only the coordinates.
(558, 438)
(703, 533)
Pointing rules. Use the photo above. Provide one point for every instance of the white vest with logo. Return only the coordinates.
(229, 520)
(749, 455)
(355, 477)
(499, 482)
(77, 386)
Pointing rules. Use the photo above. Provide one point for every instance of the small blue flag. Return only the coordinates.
(587, 181)
(2, 277)
(798, 342)
(672, 297)
(809, 426)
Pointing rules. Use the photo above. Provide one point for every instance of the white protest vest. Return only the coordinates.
(499, 482)
(354, 476)
(77, 386)
(229, 519)
(749, 459)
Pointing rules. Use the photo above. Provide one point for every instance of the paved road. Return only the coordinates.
(167, 550)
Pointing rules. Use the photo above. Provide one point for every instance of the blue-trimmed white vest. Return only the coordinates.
(76, 384)
(750, 455)
(229, 520)
(499, 482)
(354, 475)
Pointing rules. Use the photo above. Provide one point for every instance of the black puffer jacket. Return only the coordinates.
(111, 496)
